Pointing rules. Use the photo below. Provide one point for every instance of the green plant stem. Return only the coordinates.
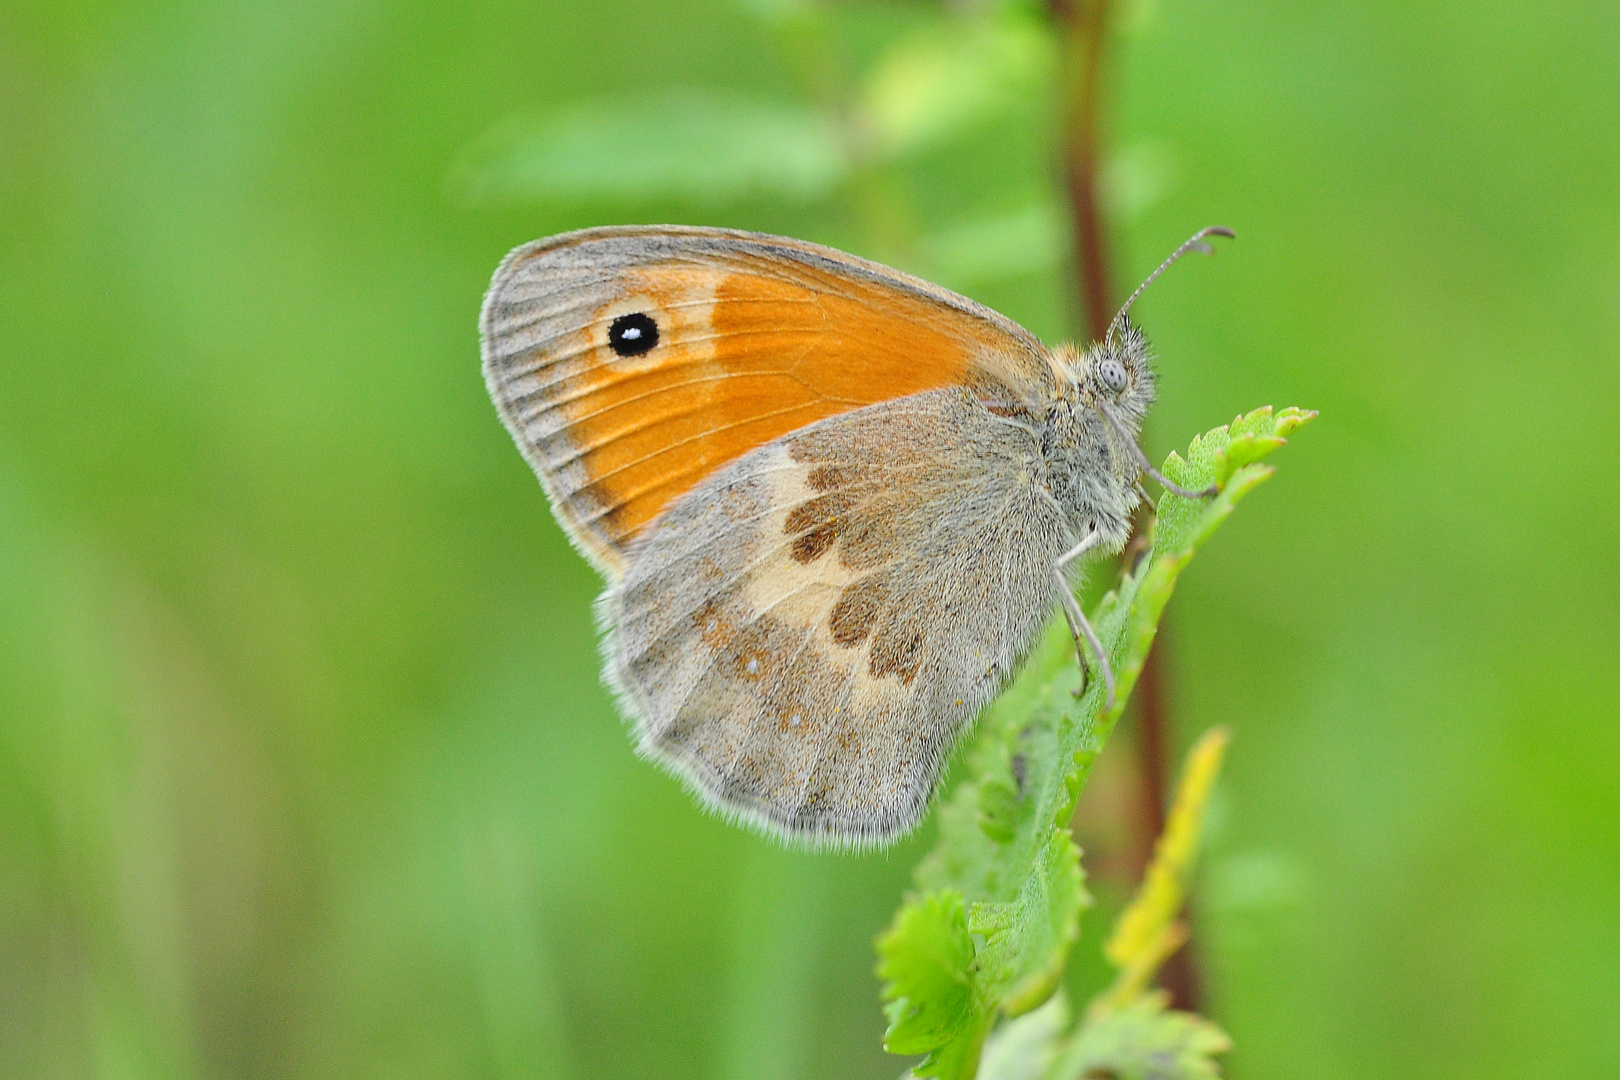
(1085, 25)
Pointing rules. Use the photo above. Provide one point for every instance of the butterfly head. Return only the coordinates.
(1117, 374)
(1112, 376)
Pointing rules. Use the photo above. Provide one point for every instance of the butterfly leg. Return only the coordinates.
(1147, 466)
(1078, 626)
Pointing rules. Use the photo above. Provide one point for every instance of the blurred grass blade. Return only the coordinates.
(687, 145)
(523, 1019)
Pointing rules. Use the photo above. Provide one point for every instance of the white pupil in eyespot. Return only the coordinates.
(1113, 375)
(631, 333)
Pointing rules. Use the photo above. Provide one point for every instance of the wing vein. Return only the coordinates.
(704, 466)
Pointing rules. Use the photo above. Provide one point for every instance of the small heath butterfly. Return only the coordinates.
(833, 503)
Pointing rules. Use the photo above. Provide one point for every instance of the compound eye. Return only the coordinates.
(1112, 374)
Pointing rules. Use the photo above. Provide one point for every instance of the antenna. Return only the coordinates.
(1196, 243)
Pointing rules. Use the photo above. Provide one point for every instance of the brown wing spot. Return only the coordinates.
(817, 524)
(713, 625)
(820, 511)
(758, 648)
(897, 651)
(828, 477)
(813, 545)
(857, 611)
(872, 541)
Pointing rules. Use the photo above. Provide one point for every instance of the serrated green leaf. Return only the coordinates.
(1028, 939)
(1004, 852)
(1183, 524)
(1144, 1041)
(695, 145)
(988, 841)
(924, 960)
(1243, 450)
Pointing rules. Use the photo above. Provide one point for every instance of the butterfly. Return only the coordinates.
(833, 504)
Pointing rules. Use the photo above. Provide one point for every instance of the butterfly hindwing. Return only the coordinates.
(630, 363)
(803, 635)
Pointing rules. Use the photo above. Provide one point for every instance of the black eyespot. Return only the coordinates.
(634, 334)
(1112, 374)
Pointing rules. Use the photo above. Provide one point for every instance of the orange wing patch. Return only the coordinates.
(755, 337)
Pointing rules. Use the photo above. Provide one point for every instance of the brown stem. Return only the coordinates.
(1085, 26)
(1085, 23)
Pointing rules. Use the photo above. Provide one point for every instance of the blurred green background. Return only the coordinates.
(305, 770)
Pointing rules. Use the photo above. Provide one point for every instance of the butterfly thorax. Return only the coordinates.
(1091, 476)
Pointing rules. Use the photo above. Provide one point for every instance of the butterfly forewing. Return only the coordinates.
(631, 363)
(803, 635)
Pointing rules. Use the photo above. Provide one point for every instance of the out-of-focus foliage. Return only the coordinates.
(999, 898)
(697, 146)
(1143, 1040)
(843, 132)
(305, 770)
